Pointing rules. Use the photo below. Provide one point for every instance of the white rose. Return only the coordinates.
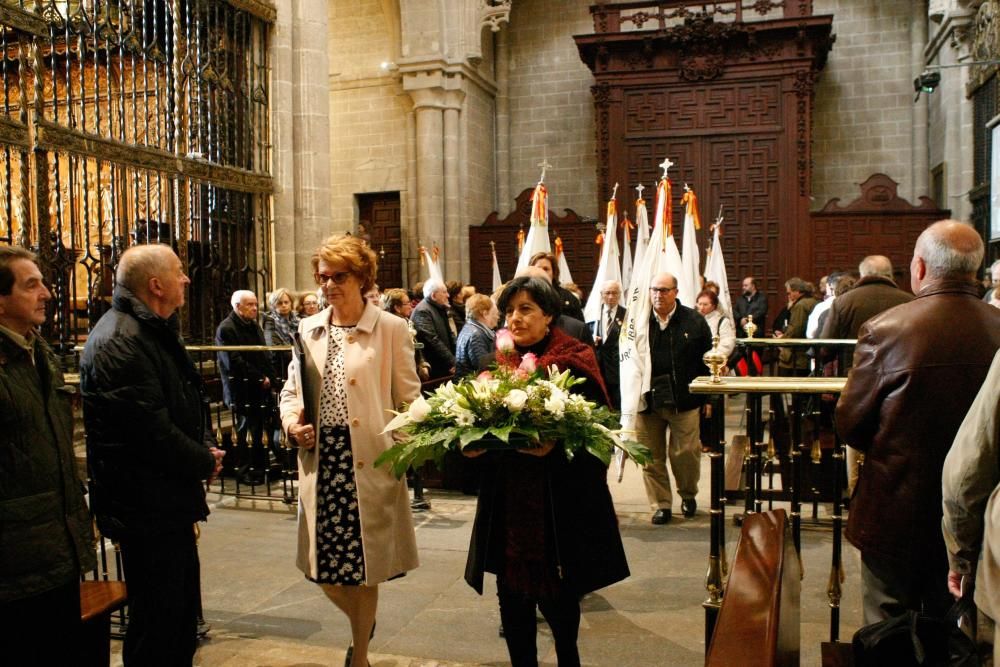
(556, 405)
(419, 409)
(515, 400)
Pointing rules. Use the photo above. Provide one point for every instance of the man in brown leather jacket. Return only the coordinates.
(917, 369)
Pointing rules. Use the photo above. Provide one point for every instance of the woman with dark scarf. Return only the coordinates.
(545, 525)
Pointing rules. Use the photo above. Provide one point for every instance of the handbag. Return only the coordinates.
(661, 393)
(917, 639)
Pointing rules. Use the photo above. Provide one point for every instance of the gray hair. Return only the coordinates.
(239, 295)
(433, 285)
(946, 256)
(995, 268)
(274, 297)
(609, 284)
(140, 263)
(876, 265)
(798, 285)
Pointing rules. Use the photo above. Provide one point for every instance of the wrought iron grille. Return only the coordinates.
(137, 121)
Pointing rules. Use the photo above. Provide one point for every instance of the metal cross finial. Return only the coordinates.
(665, 165)
(544, 164)
(614, 192)
(718, 220)
(639, 188)
(686, 188)
(493, 246)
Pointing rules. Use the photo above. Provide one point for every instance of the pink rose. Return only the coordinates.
(485, 375)
(529, 363)
(505, 341)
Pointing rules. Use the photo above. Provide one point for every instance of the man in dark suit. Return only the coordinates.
(751, 303)
(606, 330)
(436, 329)
(248, 380)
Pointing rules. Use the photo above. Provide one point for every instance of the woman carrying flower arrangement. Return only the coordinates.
(545, 522)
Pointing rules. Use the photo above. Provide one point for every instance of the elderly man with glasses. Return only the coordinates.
(606, 331)
(678, 337)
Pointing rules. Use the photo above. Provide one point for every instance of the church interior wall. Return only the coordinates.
(551, 106)
(367, 108)
(478, 172)
(863, 121)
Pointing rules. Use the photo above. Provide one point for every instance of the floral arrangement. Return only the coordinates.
(512, 406)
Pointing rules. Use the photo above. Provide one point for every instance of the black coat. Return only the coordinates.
(431, 322)
(677, 351)
(146, 421)
(243, 373)
(586, 547)
(607, 349)
(46, 539)
(756, 306)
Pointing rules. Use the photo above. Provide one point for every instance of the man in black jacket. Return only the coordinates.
(47, 539)
(149, 452)
(678, 337)
(436, 329)
(248, 382)
(750, 303)
(606, 331)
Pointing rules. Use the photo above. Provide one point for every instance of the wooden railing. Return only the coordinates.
(630, 16)
(758, 623)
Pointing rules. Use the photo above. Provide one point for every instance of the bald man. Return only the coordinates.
(917, 369)
(149, 450)
(874, 293)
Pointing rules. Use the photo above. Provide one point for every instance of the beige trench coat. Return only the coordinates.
(971, 496)
(380, 376)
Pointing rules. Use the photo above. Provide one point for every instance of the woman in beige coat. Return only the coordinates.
(353, 363)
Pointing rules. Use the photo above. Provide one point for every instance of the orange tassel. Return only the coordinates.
(520, 239)
(690, 199)
(559, 246)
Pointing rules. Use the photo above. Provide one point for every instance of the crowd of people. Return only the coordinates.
(357, 353)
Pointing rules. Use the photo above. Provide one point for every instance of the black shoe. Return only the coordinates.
(661, 517)
(350, 649)
(689, 507)
(203, 628)
(420, 504)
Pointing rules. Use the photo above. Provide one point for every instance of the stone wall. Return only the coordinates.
(367, 109)
(551, 108)
(864, 111)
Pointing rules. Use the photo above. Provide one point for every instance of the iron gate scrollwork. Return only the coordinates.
(137, 121)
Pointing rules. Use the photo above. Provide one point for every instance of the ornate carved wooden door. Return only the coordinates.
(726, 94)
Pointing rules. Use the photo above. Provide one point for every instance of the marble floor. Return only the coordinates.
(263, 612)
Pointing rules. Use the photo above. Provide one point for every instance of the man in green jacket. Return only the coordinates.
(47, 538)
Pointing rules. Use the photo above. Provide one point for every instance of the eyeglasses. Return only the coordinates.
(662, 290)
(610, 292)
(338, 278)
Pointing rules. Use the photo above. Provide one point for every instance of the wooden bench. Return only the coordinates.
(98, 599)
(758, 623)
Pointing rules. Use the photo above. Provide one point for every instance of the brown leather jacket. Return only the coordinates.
(917, 369)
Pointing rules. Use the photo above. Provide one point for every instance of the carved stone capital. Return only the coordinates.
(493, 14)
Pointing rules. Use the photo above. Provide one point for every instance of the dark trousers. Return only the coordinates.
(517, 613)
(889, 589)
(44, 629)
(255, 459)
(161, 572)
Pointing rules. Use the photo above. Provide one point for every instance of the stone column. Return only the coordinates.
(282, 156)
(919, 156)
(311, 129)
(502, 64)
(452, 267)
(430, 168)
(411, 262)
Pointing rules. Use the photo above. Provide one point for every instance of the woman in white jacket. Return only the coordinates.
(719, 322)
